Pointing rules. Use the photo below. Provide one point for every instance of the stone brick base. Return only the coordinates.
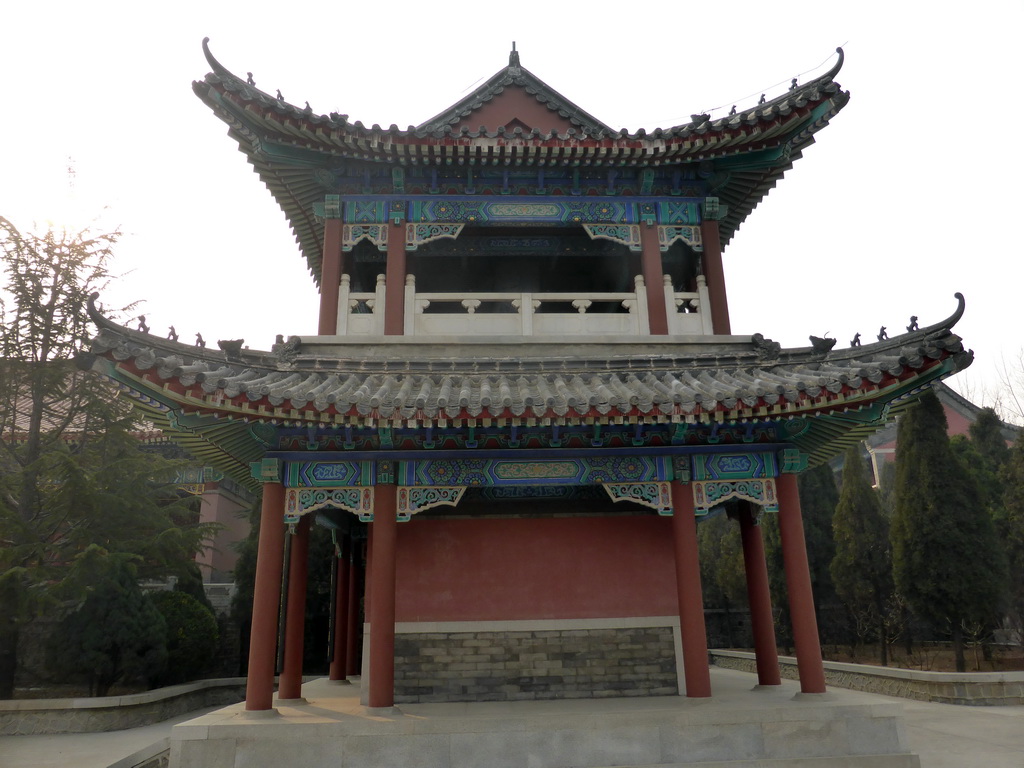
(974, 688)
(548, 664)
(33, 717)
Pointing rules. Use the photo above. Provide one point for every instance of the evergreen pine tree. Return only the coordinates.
(191, 637)
(1011, 532)
(862, 567)
(72, 472)
(722, 575)
(116, 634)
(987, 437)
(947, 561)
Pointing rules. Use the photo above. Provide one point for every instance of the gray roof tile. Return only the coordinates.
(402, 381)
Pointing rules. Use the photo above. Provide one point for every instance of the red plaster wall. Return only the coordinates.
(958, 425)
(217, 561)
(535, 568)
(515, 104)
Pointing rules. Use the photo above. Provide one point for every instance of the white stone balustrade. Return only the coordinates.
(525, 313)
(689, 313)
(360, 314)
(522, 313)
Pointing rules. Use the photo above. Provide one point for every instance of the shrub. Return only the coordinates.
(116, 634)
(191, 637)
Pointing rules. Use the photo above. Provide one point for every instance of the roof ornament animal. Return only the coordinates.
(913, 324)
(172, 334)
(882, 335)
(822, 344)
(286, 351)
(249, 80)
(200, 341)
(143, 328)
(232, 349)
(766, 348)
(855, 341)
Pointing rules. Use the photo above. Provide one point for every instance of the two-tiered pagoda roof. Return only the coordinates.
(403, 395)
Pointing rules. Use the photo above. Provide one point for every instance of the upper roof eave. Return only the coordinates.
(332, 130)
(259, 121)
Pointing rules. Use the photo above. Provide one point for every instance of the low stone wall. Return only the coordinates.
(537, 664)
(973, 688)
(114, 713)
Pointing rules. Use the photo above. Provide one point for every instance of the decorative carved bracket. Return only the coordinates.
(688, 234)
(624, 234)
(413, 499)
(711, 493)
(657, 496)
(419, 234)
(301, 501)
(375, 233)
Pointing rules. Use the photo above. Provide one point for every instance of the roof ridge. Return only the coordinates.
(513, 74)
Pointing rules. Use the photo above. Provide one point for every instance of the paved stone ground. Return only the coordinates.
(944, 735)
(955, 736)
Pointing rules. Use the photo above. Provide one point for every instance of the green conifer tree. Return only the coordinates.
(721, 569)
(72, 473)
(862, 567)
(116, 634)
(191, 638)
(947, 561)
(1011, 532)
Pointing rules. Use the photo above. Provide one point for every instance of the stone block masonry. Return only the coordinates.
(971, 688)
(537, 664)
(25, 717)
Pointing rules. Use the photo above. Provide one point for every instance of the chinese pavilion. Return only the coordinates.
(523, 394)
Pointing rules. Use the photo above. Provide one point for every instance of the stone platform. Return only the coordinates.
(759, 728)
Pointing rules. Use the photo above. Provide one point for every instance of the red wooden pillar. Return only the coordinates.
(340, 630)
(330, 278)
(368, 581)
(691, 603)
(714, 273)
(394, 282)
(382, 592)
(355, 627)
(652, 270)
(760, 600)
(295, 614)
(798, 585)
(266, 601)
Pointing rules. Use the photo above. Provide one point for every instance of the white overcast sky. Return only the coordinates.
(911, 194)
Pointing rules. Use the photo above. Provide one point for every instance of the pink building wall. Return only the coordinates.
(217, 505)
(535, 568)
